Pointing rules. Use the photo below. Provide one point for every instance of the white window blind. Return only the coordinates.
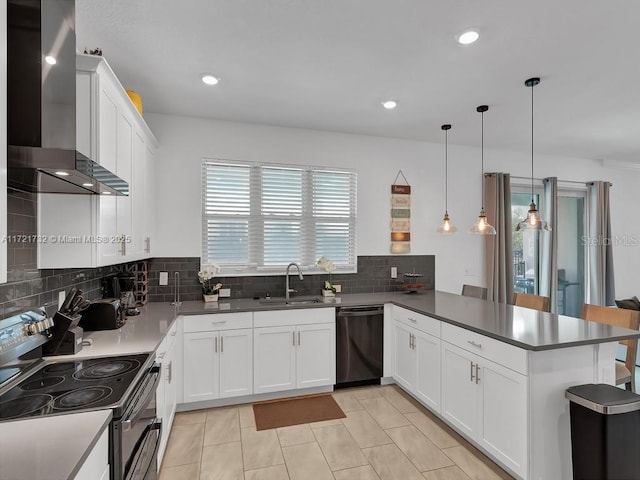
(258, 218)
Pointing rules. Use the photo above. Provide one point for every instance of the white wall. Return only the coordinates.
(184, 141)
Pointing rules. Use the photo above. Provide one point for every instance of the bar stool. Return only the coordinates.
(473, 291)
(535, 302)
(619, 317)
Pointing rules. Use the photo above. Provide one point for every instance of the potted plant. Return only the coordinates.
(328, 290)
(209, 287)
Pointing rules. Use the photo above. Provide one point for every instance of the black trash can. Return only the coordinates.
(605, 432)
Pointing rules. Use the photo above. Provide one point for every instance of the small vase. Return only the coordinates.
(210, 298)
(328, 293)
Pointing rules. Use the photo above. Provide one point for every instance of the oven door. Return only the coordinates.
(143, 463)
(138, 432)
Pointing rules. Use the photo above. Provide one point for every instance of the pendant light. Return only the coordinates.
(482, 226)
(446, 228)
(533, 221)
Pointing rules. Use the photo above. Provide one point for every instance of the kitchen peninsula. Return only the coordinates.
(497, 373)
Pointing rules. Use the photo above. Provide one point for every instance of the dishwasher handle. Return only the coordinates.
(359, 312)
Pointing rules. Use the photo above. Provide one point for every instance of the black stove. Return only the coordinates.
(90, 384)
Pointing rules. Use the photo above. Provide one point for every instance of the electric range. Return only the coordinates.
(74, 386)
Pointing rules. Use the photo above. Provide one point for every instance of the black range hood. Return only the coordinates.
(41, 104)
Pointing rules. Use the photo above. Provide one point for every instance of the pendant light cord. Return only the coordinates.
(482, 155)
(446, 171)
(532, 86)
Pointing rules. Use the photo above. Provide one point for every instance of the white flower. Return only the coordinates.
(327, 264)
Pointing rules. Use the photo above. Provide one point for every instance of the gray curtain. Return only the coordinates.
(499, 254)
(549, 243)
(600, 281)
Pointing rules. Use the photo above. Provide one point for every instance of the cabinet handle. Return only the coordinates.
(221, 344)
(472, 365)
(298, 338)
(219, 323)
(412, 319)
(215, 342)
(477, 373)
(173, 334)
(147, 242)
(410, 335)
(294, 338)
(477, 345)
(170, 372)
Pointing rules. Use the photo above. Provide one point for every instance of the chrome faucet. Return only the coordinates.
(288, 290)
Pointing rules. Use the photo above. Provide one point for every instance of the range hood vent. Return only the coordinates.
(41, 104)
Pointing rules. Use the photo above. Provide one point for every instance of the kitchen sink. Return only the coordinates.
(291, 301)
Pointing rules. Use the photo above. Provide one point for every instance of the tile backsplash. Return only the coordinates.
(374, 275)
(28, 287)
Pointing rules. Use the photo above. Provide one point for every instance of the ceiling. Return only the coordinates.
(328, 64)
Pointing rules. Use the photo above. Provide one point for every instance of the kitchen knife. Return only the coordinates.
(67, 300)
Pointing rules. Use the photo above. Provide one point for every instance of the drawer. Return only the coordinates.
(417, 320)
(512, 357)
(294, 316)
(217, 321)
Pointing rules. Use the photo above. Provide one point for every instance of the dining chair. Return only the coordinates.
(619, 317)
(535, 302)
(473, 291)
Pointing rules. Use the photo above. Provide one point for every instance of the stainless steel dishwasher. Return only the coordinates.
(359, 345)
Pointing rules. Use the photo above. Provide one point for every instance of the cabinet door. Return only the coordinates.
(274, 359)
(502, 419)
(149, 200)
(427, 384)
(3, 143)
(107, 126)
(459, 390)
(109, 249)
(316, 355)
(236, 363)
(405, 364)
(138, 196)
(200, 366)
(124, 153)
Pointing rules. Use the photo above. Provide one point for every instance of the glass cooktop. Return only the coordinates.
(63, 387)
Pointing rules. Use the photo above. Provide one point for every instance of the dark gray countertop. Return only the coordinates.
(522, 327)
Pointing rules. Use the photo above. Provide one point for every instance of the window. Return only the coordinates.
(258, 218)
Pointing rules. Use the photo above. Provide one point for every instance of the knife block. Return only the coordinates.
(66, 338)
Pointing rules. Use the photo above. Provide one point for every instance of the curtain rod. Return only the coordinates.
(559, 181)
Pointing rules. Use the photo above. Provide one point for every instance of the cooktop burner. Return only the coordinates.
(41, 383)
(25, 406)
(72, 386)
(107, 369)
(82, 397)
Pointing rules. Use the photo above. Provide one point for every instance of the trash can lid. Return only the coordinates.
(603, 398)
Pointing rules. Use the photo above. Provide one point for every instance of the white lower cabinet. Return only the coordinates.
(217, 356)
(217, 364)
(97, 462)
(417, 363)
(166, 392)
(488, 403)
(294, 349)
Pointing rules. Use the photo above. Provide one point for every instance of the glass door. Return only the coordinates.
(526, 251)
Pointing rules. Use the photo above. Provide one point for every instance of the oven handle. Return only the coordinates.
(147, 390)
(140, 448)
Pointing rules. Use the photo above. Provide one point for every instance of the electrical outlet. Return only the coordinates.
(224, 292)
(338, 288)
(164, 278)
(394, 272)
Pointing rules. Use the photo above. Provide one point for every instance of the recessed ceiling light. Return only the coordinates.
(87, 184)
(106, 193)
(50, 60)
(209, 79)
(468, 37)
(390, 104)
(62, 174)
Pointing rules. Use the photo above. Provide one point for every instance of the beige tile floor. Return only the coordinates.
(386, 436)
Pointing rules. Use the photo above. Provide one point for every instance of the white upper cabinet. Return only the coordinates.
(98, 230)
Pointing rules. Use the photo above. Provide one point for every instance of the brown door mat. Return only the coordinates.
(295, 411)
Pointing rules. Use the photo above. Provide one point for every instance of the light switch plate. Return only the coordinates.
(164, 278)
(338, 288)
(394, 272)
(224, 292)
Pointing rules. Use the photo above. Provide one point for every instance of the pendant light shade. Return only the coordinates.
(533, 221)
(481, 225)
(446, 228)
